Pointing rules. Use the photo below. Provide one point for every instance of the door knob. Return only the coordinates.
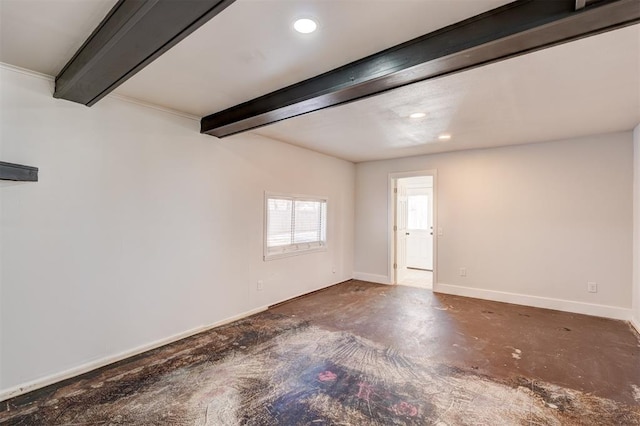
(406, 233)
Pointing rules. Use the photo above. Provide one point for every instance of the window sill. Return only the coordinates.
(293, 253)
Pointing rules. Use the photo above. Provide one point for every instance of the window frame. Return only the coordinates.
(293, 249)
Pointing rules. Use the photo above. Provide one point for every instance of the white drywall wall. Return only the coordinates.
(140, 228)
(539, 220)
(636, 228)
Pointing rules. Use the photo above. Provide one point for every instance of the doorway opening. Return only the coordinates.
(414, 239)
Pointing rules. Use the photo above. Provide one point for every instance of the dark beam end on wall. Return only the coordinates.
(131, 36)
(18, 172)
(514, 29)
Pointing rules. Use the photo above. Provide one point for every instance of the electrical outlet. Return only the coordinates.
(260, 285)
(463, 272)
(333, 270)
(592, 287)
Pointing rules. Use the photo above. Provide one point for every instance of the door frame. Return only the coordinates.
(391, 205)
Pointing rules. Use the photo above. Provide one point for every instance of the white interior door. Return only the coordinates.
(401, 230)
(419, 232)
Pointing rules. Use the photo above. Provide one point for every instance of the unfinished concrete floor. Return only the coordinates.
(361, 353)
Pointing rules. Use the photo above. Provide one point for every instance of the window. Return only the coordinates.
(294, 224)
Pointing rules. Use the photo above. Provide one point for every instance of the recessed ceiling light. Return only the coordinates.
(417, 115)
(444, 137)
(305, 25)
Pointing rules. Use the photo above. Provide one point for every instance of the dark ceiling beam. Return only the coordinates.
(132, 35)
(515, 29)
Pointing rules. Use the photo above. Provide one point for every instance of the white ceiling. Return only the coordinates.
(585, 87)
(250, 49)
(42, 35)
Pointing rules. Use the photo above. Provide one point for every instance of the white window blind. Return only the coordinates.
(294, 224)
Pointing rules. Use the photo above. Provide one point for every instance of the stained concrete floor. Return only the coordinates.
(361, 353)
(590, 354)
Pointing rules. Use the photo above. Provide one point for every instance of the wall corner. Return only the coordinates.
(635, 304)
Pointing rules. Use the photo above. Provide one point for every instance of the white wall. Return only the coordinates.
(636, 228)
(538, 221)
(140, 228)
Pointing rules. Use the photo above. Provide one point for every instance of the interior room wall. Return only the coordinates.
(141, 230)
(532, 224)
(636, 228)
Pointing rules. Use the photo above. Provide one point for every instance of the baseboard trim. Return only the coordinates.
(93, 365)
(635, 323)
(308, 293)
(379, 279)
(605, 311)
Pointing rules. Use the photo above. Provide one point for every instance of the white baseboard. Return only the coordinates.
(93, 365)
(380, 279)
(304, 293)
(635, 323)
(606, 311)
